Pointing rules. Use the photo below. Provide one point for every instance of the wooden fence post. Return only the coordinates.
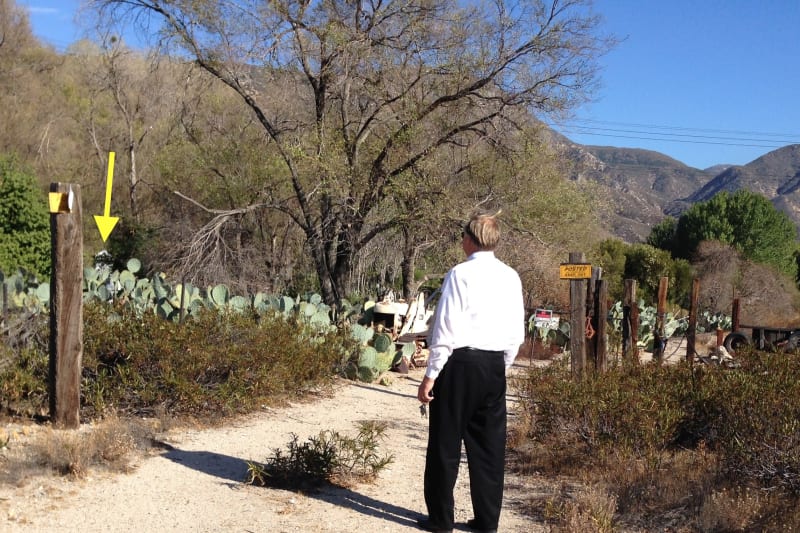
(659, 339)
(597, 309)
(601, 312)
(66, 305)
(577, 309)
(630, 323)
(3, 301)
(692, 331)
(591, 319)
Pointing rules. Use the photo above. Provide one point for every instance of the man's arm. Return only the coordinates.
(425, 390)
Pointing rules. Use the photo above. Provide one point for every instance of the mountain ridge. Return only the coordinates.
(646, 185)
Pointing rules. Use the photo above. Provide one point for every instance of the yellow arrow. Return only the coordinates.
(106, 223)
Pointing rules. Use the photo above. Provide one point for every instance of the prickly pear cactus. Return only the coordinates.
(382, 342)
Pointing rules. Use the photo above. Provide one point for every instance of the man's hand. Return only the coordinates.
(425, 390)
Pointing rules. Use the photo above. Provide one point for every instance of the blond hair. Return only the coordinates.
(484, 230)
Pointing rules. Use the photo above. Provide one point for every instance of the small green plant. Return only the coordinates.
(328, 458)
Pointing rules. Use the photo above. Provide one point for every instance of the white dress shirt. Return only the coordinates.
(480, 307)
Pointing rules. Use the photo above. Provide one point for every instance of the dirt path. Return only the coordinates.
(197, 486)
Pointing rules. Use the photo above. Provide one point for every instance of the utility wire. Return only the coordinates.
(686, 141)
(685, 128)
(650, 132)
(688, 135)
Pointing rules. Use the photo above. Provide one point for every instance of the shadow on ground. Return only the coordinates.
(234, 469)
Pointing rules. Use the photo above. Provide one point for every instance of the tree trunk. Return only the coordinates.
(407, 268)
(326, 288)
(408, 265)
(134, 181)
(333, 269)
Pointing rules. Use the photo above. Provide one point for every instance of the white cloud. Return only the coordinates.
(43, 10)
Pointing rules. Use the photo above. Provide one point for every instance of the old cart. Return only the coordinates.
(763, 338)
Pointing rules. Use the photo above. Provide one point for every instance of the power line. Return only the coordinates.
(686, 141)
(685, 128)
(687, 135)
(649, 132)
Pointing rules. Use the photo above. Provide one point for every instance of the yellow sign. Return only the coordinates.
(575, 271)
(61, 202)
(56, 199)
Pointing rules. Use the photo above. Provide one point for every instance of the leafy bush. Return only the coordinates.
(215, 365)
(24, 222)
(645, 264)
(625, 407)
(659, 436)
(328, 458)
(758, 427)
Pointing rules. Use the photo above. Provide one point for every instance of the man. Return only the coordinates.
(476, 332)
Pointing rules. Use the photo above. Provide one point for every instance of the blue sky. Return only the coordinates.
(702, 81)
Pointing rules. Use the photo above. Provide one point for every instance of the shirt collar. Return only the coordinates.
(481, 254)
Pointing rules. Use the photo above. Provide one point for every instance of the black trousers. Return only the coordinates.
(469, 405)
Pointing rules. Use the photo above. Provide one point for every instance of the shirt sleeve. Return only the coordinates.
(517, 330)
(441, 339)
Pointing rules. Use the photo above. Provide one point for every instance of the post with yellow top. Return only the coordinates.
(578, 272)
(66, 304)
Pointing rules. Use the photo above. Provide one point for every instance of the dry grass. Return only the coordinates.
(588, 509)
(110, 445)
(607, 476)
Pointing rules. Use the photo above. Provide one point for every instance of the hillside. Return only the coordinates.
(776, 175)
(645, 186)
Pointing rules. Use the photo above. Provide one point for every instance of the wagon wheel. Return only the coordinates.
(736, 340)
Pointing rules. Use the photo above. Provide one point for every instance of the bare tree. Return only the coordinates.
(29, 104)
(134, 107)
(376, 88)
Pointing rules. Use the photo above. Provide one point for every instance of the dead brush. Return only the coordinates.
(328, 458)
(732, 510)
(110, 444)
(590, 510)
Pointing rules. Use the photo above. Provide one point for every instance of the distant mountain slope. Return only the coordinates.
(776, 175)
(646, 186)
(643, 185)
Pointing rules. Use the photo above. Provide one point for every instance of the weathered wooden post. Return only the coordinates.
(691, 333)
(591, 319)
(630, 323)
(601, 312)
(597, 309)
(577, 309)
(3, 301)
(735, 315)
(659, 339)
(66, 304)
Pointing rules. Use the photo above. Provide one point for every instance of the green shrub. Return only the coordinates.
(23, 380)
(749, 415)
(24, 222)
(625, 407)
(758, 427)
(216, 365)
(329, 457)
